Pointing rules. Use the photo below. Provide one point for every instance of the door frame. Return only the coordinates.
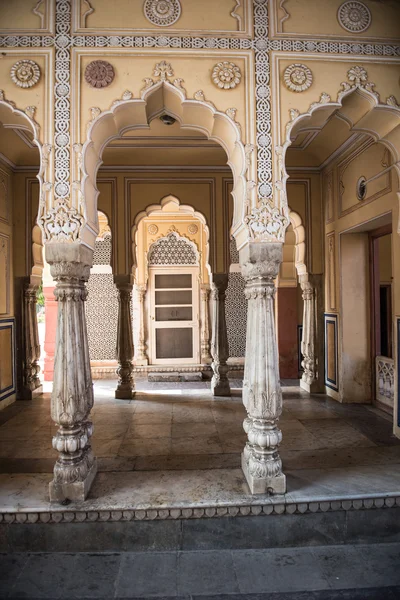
(194, 323)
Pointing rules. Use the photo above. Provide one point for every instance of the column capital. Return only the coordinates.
(69, 261)
(261, 260)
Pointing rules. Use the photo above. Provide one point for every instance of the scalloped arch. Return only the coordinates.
(135, 113)
(362, 111)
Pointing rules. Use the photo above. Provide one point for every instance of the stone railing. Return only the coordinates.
(384, 380)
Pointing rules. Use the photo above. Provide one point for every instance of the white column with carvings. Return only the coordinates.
(72, 396)
(32, 383)
(219, 341)
(206, 357)
(140, 349)
(307, 344)
(262, 396)
(124, 351)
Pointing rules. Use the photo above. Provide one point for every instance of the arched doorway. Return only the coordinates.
(353, 157)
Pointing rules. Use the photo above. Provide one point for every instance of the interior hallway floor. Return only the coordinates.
(170, 426)
(174, 446)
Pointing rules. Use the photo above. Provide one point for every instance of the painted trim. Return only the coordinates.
(8, 391)
(331, 318)
(398, 371)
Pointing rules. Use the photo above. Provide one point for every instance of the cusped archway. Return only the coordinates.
(162, 97)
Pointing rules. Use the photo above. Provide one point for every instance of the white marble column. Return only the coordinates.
(140, 350)
(124, 351)
(72, 396)
(206, 357)
(219, 341)
(307, 344)
(32, 383)
(262, 396)
(312, 342)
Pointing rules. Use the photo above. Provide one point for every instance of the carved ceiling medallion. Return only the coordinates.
(297, 77)
(99, 73)
(25, 73)
(226, 75)
(354, 17)
(152, 229)
(162, 12)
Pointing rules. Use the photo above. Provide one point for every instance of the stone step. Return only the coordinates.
(174, 376)
(205, 529)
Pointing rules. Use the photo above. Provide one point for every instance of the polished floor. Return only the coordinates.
(179, 426)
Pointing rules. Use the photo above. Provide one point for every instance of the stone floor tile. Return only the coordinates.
(11, 567)
(193, 429)
(111, 430)
(37, 447)
(145, 447)
(151, 418)
(68, 576)
(197, 445)
(277, 570)
(7, 447)
(342, 566)
(105, 448)
(184, 413)
(335, 433)
(209, 572)
(382, 563)
(148, 430)
(147, 574)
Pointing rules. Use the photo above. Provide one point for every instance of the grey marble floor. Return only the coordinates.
(194, 442)
(362, 572)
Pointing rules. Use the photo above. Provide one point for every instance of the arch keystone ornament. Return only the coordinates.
(354, 17)
(226, 75)
(162, 12)
(25, 73)
(99, 73)
(298, 77)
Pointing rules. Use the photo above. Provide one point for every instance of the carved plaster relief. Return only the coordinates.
(226, 75)
(354, 17)
(297, 77)
(4, 274)
(328, 192)
(162, 12)
(25, 73)
(99, 73)
(4, 205)
(331, 270)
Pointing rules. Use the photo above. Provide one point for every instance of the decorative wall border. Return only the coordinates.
(204, 512)
(7, 247)
(330, 318)
(397, 373)
(9, 323)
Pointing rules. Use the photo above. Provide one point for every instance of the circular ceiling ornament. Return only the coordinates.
(152, 229)
(162, 12)
(99, 73)
(298, 77)
(354, 16)
(226, 75)
(25, 73)
(192, 228)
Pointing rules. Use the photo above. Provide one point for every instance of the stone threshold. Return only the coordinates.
(165, 495)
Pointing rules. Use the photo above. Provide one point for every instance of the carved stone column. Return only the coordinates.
(307, 344)
(72, 396)
(205, 325)
(140, 350)
(312, 343)
(262, 396)
(124, 351)
(219, 341)
(32, 383)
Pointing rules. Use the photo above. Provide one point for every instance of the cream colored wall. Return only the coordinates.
(385, 258)
(6, 282)
(123, 195)
(318, 18)
(355, 375)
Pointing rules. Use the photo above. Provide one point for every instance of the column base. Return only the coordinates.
(221, 389)
(312, 388)
(28, 394)
(124, 393)
(267, 485)
(76, 492)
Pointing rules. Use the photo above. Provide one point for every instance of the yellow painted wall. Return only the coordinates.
(125, 194)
